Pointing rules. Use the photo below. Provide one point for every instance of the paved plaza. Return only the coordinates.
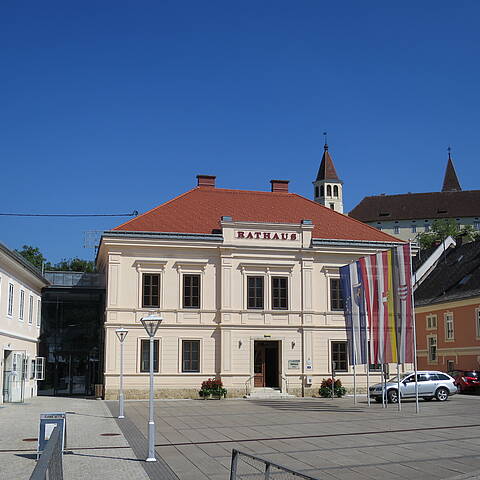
(327, 439)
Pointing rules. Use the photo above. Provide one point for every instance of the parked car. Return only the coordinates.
(466, 380)
(431, 384)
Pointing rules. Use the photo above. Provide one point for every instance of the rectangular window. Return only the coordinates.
(477, 319)
(39, 368)
(476, 225)
(30, 310)
(413, 229)
(449, 333)
(450, 365)
(255, 292)
(336, 299)
(22, 305)
(279, 293)
(191, 356)
(145, 355)
(396, 229)
(191, 291)
(432, 349)
(39, 313)
(151, 290)
(431, 322)
(339, 356)
(10, 300)
(427, 228)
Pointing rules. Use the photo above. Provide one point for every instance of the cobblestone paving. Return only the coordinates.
(328, 439)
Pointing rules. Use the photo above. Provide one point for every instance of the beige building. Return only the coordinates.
(247, 284)
(406, 215)
(20, 309)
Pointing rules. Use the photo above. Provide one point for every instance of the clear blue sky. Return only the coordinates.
(115, 106)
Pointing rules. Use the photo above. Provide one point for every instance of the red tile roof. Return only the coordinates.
(199, 211)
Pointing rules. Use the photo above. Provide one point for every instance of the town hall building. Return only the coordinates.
(247, 285)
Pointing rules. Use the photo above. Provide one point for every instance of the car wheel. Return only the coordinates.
(427, 399)
(441, 394)
(392, 396)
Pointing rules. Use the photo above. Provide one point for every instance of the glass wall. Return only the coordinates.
(71, 340)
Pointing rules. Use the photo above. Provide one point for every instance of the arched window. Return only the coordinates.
(335, 191)
(322, 191)
(316, 191)
(329, 190)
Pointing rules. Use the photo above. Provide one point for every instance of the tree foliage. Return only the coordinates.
(36, 258)
(33, 255)
(75, 265)
(441, 229)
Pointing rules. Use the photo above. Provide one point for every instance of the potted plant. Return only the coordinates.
(213, 387)
(326, 388)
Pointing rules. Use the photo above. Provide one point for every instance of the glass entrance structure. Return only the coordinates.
(71, 338)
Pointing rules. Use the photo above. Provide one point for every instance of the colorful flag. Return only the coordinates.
(354, 307)
(386, 279)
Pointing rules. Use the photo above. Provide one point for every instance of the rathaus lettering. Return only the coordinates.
(267, 235)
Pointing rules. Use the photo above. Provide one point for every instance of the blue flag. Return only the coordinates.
(354, 307)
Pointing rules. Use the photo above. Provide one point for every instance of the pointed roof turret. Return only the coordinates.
(450, 181)
(327, 169)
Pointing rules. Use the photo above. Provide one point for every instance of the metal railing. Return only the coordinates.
(50, 466)
(252, 467)
(286, 382)
(249, 379)
(248, 383)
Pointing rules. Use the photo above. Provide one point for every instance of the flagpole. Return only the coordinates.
(414, 337)
(398, 388)
(367, 350)
(354, 367)
(383, 386)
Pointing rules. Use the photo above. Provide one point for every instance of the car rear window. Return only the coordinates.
(442, 376)
(471, 373)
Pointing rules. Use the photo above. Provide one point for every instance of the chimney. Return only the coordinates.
(206, 181)
(279, 185)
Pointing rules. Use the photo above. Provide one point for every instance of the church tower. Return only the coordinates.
(450, 181)
(327, 188)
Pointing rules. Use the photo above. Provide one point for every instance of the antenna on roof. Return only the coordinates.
(326, 144)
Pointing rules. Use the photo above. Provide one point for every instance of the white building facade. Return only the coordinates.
(20, 316)
(251, 297)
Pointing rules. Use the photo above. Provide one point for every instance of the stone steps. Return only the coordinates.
(267, 394)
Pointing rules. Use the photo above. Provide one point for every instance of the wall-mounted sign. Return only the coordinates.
(308, 365)
(294, 364)
(266, 235)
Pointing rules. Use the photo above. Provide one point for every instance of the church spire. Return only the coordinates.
(450, 181)
(327, 186)
(327, 169)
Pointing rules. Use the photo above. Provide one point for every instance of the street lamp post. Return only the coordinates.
(121, 334)
(151, 324)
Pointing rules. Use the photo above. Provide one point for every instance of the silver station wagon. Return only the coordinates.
(431, 384)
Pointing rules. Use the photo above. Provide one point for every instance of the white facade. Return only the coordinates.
(20, 316)
(292, 337)
(407, 230)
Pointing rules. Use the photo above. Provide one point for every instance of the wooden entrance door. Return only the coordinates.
(265, 364)
(259, 365)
